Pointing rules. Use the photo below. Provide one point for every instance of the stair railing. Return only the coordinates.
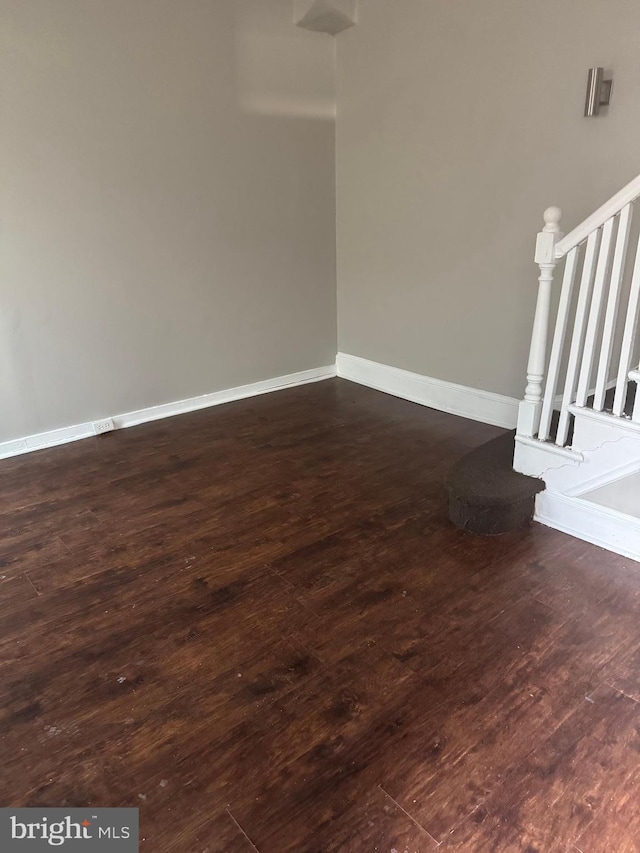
(598, 248)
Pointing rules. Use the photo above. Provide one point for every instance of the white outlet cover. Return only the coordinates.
(105, 425)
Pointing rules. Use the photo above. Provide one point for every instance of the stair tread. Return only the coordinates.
(485, 476)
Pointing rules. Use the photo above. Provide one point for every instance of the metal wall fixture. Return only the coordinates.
(598, 92)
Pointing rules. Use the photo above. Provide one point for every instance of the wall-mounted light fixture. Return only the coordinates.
(598, 92)
(325, 16)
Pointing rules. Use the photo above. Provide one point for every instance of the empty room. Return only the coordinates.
(319, 433)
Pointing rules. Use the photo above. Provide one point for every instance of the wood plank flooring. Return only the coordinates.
(256, 624)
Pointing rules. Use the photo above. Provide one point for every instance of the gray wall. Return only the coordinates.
(458, 122)
(167, 210)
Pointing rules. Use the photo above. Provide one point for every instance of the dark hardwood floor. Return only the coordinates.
(256, 624)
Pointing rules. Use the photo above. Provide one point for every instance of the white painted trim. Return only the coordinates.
(590, 522)
(53, 438)
(459, 400)
(564, 454)
(540, 458)
(605, 478)
(56, 437)
(605, 418)
(217, 398)
(611, 208)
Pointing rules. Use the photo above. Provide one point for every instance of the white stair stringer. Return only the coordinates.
(605, 450)
(602, 445)
(535, 458)
(610, 461)
(567, 504)
(591, 429)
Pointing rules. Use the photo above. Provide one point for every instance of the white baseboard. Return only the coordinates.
(471, 403)
(591, 522)
(168, 410)
(54, 437)
(74, 433)
(459, 400)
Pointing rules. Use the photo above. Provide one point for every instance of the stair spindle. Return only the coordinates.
(594, 313)
(628, 339)
(557, 348)
(586, 283)
(611, 315)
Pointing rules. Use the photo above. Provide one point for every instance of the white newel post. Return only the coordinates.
(531, 407)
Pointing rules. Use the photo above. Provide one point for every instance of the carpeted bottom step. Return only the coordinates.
(486, 495)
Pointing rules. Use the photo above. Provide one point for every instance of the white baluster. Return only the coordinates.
(628, 339)
(531, 407)
(611, 316)
(557, 349)
(595, 312)
(584, 294)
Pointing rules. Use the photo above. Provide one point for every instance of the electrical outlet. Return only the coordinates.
(100, 427)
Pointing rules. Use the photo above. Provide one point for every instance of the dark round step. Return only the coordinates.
(486, 496)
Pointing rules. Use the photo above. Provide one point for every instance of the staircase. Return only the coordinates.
(579, 423)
